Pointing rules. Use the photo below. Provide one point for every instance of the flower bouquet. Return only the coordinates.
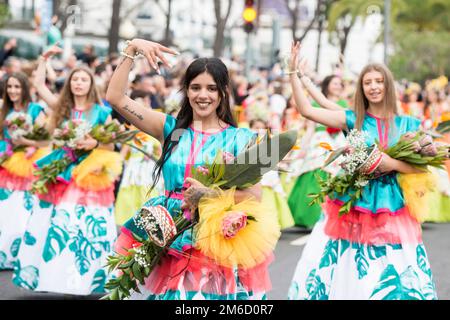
(233, 222)
(18, 124)
(359, 164)
(140, 260)
(361, 161)
(67, 138)
(113, 132)
(419, 150)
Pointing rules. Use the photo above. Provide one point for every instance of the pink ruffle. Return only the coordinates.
(372, 229)
(125, 241)
(70, 193)
(13, 182)
(192, 268)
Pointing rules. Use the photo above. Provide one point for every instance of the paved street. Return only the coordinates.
(288, 251)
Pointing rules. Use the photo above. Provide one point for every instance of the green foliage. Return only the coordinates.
(420, 55)
(5, 15)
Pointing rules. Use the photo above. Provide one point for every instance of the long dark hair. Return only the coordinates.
(25, 97)
(219, 72)
(326, 82)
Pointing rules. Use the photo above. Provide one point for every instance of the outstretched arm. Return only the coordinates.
(39, 79)
(145, 119)
(329, 118)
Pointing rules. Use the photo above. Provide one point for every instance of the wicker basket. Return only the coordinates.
(372, 162)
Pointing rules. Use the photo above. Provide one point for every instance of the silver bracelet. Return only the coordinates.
(127, 55)
(291, 72)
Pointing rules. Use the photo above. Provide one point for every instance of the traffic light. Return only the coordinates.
(249, 15)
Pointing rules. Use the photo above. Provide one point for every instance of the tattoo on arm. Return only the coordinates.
(134, 113)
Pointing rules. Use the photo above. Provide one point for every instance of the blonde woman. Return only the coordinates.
(376, 250)
(72, 230)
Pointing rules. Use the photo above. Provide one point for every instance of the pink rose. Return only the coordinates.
(416, 146)
(232, 223)
(203, 170)
(7, 122)
(227, 157)
(408, 136)
(429, 150)
(29, 152)
(65, 131)
(425, 141)
(14, 127)
(113, 135)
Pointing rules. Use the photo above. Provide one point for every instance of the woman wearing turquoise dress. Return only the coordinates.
(376, 250)
(202, 127)
(311, 166)
(16, 171)
(72, 229)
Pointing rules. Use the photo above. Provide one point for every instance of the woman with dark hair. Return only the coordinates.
(16, 168)
(72, 229)
(203, 126)
(375, 251)
(311, 166)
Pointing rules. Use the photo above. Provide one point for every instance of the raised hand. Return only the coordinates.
(153, 52)
(54, 49)
(293, 60)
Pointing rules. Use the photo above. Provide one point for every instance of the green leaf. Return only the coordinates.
(4, 194)
(260, 158)
(330, 254)
(56, 241)
(137, 273)
(15, 247)
(29, 239)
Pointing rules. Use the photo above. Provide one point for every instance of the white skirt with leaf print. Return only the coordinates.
(16, 208)
(68, 244)
(342, 270)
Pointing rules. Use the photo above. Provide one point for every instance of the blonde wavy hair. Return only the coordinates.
(361, 103)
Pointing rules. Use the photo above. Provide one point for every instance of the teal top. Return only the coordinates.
(194, 149)
(98, 114)
(383, 194)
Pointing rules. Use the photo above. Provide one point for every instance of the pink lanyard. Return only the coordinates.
(193, 153)
(383, 136)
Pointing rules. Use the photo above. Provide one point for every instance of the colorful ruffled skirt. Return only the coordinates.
(16, 202)
(72, 229)
(374, 253)
(186, 272)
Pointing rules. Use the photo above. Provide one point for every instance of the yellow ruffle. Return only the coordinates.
(417, 189)
(98, 171)
(251, 245)
(19, 165)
